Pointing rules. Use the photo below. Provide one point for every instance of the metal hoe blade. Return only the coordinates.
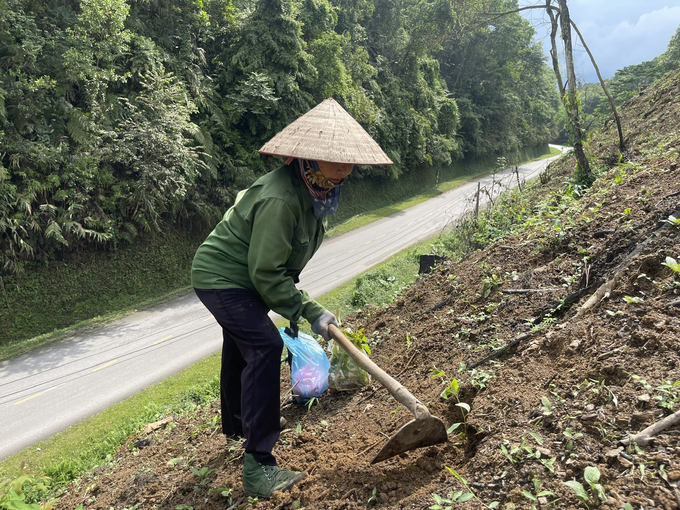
(425, 430)
(415, 434)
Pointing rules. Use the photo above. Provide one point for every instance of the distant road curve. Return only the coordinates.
(46, 391)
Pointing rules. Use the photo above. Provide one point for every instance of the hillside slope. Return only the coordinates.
(559, 401)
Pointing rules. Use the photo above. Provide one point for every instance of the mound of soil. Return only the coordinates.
(554, 382)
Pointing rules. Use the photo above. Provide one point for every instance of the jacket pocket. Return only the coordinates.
(298, 254)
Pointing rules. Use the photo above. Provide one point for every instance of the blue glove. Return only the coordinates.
(320, 326)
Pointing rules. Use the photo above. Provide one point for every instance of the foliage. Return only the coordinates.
(24, 492)
(122, 118)
(596, 493)
(627, 83)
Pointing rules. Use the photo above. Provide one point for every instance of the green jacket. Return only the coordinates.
(262, 243)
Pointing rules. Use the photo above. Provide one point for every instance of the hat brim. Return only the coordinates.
(327, 133)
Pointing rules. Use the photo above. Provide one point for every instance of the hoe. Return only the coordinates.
(424, 430)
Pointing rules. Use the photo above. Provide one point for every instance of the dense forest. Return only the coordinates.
(120, 118)
(128, 126)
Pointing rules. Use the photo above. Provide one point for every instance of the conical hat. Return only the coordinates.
(327, 133)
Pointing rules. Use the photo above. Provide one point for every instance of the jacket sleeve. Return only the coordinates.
(271, 245)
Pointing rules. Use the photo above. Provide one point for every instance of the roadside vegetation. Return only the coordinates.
(61, 459)
(546, 340)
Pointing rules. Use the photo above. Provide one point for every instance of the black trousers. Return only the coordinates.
(251, 369)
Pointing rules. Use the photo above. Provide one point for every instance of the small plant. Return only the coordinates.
(17, 494)
(202, 475)
(480, 379)
(175, 461)
(571, 437)
(310, 403)
(373, 499)
(669, 395)
(538, 493)
(452, 389)
(225, 492)
(547, 406)
(673, 264)
(591, 476)
(455, 497)
(490, 283)
(452, 501)
(632, 300)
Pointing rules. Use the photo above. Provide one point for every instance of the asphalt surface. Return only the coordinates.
(47, 390)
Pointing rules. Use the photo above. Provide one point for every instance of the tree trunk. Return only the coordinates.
(554, 54)
(578, 134)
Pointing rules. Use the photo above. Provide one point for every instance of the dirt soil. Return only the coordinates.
(578, 382)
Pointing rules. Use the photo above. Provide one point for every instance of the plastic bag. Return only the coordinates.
(309, 366)
(344, 374)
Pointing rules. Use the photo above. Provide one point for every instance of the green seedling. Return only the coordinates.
(452, 389)
(452, 501)
(538, 493)
(373, 499)
(490, 283)
(455, 497)
(202, 475)
(672, 263)
(225, 492)
(632, 300)
(572, 437)
(547, 406)
(480, 379)
(596, 494)
(311, 402)
(18, 494)
(669, 395)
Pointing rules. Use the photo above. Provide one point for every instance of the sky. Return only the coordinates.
(619, 33)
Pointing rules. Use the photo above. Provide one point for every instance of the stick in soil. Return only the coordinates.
(605, 289)
(500, 351)
(647, 435)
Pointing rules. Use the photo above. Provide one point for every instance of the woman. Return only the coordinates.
(250, 263)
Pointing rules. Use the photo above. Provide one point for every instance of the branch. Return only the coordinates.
(502, 350)
(605, 289)
(647, 435)
(604, 87)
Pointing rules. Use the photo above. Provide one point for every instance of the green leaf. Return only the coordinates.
(529, 495)
(591, 475)
(578, 489)
(464, 405)
(465, 497)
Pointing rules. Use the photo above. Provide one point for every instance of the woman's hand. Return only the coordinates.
(320, 326)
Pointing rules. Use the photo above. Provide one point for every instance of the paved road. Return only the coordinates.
(52, 388)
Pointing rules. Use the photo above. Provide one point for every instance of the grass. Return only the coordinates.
(89, 443)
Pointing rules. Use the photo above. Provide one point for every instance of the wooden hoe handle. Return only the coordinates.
(399, 392)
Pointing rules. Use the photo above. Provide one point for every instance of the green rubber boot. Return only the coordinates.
(263, 481)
